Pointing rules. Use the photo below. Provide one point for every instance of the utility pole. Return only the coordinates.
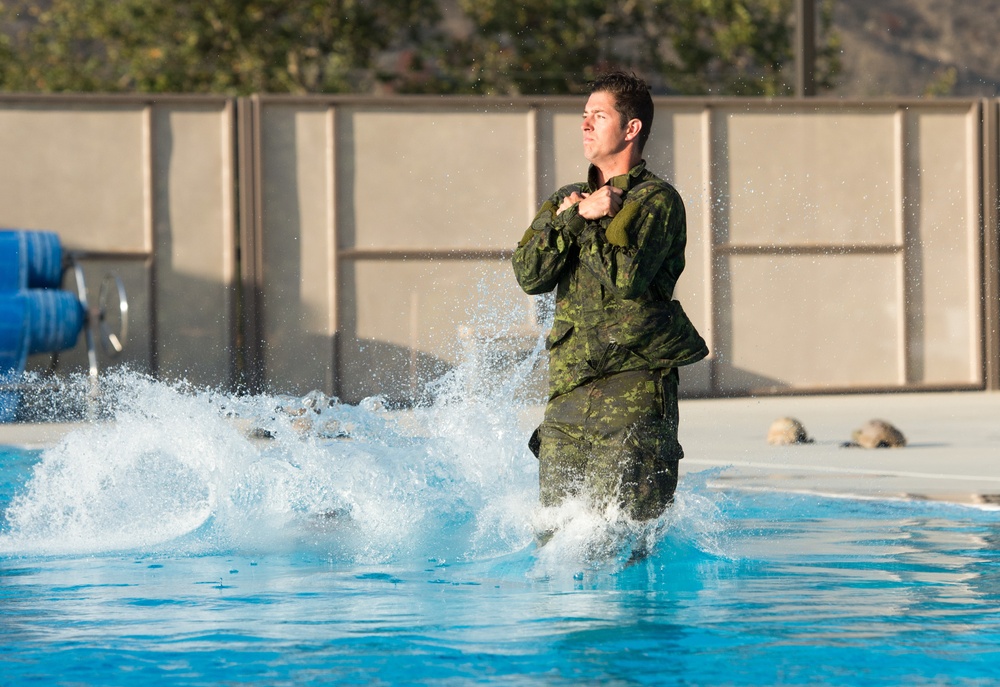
(805, 48)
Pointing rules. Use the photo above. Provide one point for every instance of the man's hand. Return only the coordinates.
(604, 202)
(571, 200)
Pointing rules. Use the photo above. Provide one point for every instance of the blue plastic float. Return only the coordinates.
(36, 315)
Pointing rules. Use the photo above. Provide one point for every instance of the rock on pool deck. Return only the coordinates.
(952, 452)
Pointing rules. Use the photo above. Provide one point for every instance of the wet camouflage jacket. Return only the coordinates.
(614, 280)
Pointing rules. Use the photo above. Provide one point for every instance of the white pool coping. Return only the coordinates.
(952, 452)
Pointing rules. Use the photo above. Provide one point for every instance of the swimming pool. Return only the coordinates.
(199, 539)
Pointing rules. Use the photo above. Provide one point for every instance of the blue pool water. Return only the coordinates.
(194, 538)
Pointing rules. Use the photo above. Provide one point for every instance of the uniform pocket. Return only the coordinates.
(561, 329)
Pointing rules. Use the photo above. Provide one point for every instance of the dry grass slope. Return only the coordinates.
(918, 47)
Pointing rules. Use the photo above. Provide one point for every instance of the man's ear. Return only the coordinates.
(632, 129)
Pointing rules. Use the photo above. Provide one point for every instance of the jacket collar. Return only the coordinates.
(623, 181)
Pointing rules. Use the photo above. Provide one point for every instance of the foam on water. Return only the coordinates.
(175, 469)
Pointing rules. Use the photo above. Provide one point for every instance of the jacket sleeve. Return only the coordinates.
(626, 256)
(546, 247)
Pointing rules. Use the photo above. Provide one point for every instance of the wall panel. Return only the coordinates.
(430, 177)
(194, 234)
(943, 246)
(818, 256)
(78, 168)
(789, 176)
(297, 247)
(831, 245)
(142, 188)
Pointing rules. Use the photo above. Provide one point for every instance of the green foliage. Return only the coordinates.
(217, 46)
(555, 46)
(731, 47)
(828, 48)
(739, 47)
(942, 84)
(743, 47)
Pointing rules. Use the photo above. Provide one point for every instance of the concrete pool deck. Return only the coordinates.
(952, 452)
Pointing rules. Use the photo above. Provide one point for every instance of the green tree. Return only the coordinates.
(548, 46)
(218, 46)
(303, 46)
(733, 47)
(741, 47)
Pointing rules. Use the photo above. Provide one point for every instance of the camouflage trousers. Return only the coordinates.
(613, 440)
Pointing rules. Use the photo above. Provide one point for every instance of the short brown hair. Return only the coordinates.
(632, 99)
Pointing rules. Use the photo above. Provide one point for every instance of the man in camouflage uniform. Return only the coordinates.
(612, 248)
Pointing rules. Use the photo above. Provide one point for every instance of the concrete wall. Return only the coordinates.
(847, 247)
(381, 227)
(831, 246)
(143, 188)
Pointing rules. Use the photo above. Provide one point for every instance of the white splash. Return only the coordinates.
(175, 469)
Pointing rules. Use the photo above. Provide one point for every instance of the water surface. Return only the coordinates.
(196, 538)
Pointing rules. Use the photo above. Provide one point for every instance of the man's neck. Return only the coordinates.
(621, 164)
(608, 170)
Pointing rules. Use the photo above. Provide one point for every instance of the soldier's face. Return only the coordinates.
(603, 131)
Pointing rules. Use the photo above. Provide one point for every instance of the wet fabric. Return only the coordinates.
(613, 441)
(614, 280)
(618, 336)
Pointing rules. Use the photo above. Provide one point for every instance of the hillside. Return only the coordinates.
(908, 47)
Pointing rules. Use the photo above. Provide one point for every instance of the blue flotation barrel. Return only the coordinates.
(13, 351)
(30, 260)
(55, 319)
(36, 316)
(13, 333)
(37, 321)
